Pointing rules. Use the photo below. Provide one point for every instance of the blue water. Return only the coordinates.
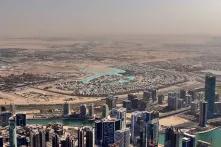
(113, 71)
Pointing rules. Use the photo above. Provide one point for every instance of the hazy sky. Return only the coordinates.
(88, 17)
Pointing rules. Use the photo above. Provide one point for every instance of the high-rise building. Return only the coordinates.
(127, 104)
(145, 128)
(98, 132)
(85, 137)
(1, 141)
(203, 114)
(186, 142)
(131, 96)
(105, 111)
(172, 136)
(35, 138)
(20, 119)
(12, 132)
(111, 101)
(142, 105)
(135, 102)
(66, 142)
(210, 93)
(192, 139)
(4, 118)
(55, 140)
(83, 110)
(66, 109)
(42, 137)
(91, 110)
(122, 137)
(108, 132)
(173, 100)
(154, 95)
(147, 95)
(194, 107)
(12, 108)
(120, 114)
(182, 93)
(160, 99)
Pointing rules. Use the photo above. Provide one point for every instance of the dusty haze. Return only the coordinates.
(97, 17)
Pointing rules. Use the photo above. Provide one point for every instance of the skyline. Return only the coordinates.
(73, 18)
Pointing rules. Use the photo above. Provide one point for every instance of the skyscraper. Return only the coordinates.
(210, 93)
(186, 142)
(67, 142)
(171, 137)
(55, 140)
(111, 101)
(122, 137)
(203, 114)
(1, 141)
(83, 110)
(108, 132)
(145, 128)
(91, 110)
(66, 109)
(21, 119)
(105, 111)
(4, 118)
(192, 139)
(85, 137)
(12, 132)
(98, 132)
(120, 114)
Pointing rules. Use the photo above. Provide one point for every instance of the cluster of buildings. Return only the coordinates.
(111, 129)
(140, 77)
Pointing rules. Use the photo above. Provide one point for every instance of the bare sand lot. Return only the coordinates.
(78, 58)
(172, 121)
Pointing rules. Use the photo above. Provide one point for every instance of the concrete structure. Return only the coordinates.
(210, 91)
